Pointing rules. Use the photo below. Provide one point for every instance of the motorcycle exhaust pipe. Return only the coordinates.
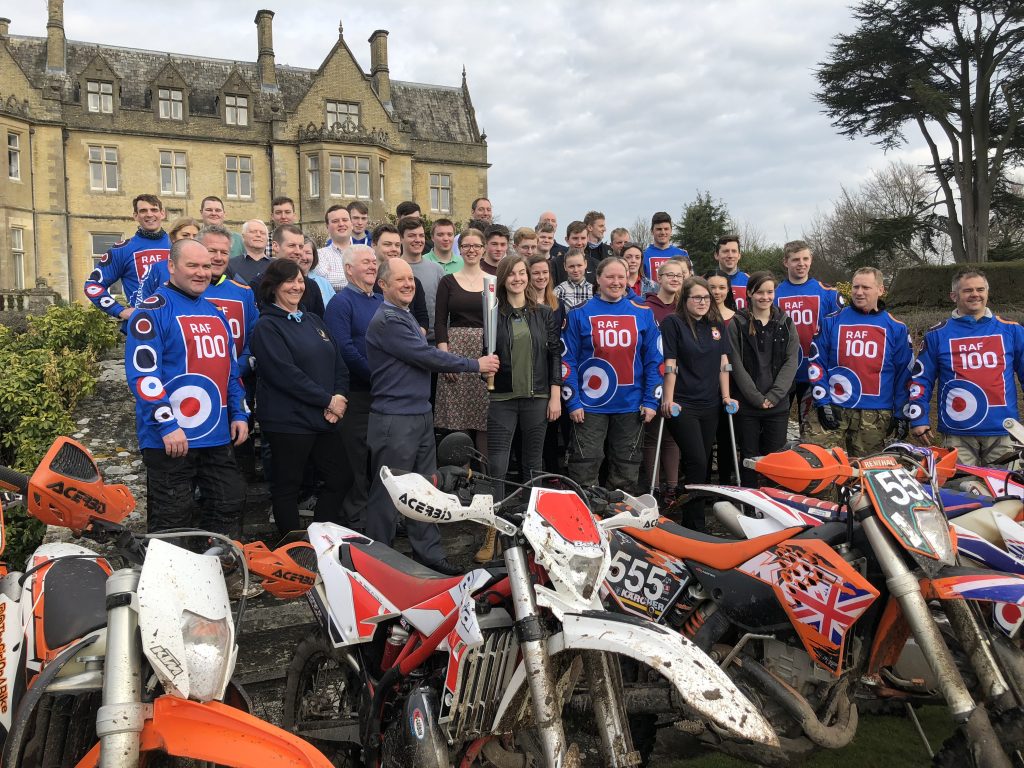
(827, 736)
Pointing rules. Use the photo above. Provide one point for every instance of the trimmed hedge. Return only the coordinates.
(925, 288)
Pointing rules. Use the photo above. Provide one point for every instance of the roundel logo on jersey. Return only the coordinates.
(150, 388)
(657, 392)
(144, 359)
(567, 393)
(94, 289)
(917, 369)
(142, 326)
(661, 348)
(916, 390)
(819, 392)
(963, 403)
(196, 403)
(153, 302)
(565, 349)
(104, 259)
(598, 382)
(566, 370)
(844, 387)
(815, 372)
(913, 411)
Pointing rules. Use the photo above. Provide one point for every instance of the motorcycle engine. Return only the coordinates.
(416, 739)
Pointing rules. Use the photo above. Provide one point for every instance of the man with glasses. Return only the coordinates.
(970, 360)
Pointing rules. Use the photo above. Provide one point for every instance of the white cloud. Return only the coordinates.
(624, 107)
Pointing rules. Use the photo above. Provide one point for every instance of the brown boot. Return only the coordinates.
(489, 549)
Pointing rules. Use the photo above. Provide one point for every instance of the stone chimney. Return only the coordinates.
(56, 43)
(265, 61)
(379, 72)
(5, 25)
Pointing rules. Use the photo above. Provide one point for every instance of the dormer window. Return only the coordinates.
(170, 102)
(100, 97)
(344, 112)
(236, 109)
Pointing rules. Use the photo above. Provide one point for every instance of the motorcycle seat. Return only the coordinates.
(713, 551)
(73, 602)
(400, 579)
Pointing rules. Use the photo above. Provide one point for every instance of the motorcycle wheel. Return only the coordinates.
(321, 687)
(1009, 727)
(62, 732)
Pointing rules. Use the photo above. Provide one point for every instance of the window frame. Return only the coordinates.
(171, 103)
(236, 109)
(352, 113)
(313, 175)
(105, 165)
(173, 190)
(13, 156)
(240, 174)
(438, 191)
(103, 98)
(110, 240)
(352, 173)
(18, 257)
(382, 167)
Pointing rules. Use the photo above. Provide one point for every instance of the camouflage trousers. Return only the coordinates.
(860, 433)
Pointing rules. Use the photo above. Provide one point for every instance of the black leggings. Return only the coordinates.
(694, 432)
(291, 453)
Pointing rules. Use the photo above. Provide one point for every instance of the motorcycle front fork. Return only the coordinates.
(904, 586)
(122, 714)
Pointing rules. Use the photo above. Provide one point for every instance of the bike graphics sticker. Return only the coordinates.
(982, 361)
(803, 311)
(146, 258)
(860, 353)
(615, 338)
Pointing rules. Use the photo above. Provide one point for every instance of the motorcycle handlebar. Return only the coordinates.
(14, 480)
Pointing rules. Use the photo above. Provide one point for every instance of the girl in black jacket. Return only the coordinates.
(764, 356)
(301, 395)
(527, 386)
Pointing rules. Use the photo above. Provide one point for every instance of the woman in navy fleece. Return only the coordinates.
(301, 397)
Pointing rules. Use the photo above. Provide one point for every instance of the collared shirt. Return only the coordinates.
(245, 268)
(451, 266)
(574, 294)
(332, 266)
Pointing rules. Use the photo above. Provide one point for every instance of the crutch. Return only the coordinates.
(657, 448)
(730, 409)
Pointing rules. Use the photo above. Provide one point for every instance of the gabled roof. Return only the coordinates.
(436, 113)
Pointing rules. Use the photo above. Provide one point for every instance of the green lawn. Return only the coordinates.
(881, 742)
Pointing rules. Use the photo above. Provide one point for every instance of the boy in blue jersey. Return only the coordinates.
(970, 361)
(189, 403)
(130, 260)
(806, 301)
(728, 256)
(661, 250)
(860, 371)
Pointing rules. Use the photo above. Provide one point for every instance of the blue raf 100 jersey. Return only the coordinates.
(970, 365)
(128, 261)
(861, 360)
(806, 304)
(180, 364)
(611, 357)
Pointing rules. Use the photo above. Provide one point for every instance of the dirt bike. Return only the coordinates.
(124, 667)
(409, 667)
(899, 539)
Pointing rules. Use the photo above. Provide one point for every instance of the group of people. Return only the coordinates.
(351, 354)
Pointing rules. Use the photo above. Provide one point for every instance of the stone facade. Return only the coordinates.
(87, 127)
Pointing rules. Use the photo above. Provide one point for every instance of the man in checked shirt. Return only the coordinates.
(332, 263)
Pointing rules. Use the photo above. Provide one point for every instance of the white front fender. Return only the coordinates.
(706, 690)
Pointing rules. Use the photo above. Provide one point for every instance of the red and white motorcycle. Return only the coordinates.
(410, 667)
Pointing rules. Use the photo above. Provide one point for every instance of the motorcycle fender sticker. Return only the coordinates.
(642, 580)
(977, 585)
(820, 592)
(10, 653)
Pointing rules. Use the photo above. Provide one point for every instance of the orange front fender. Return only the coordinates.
(220, 734)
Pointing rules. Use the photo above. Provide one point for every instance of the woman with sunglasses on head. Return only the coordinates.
(697, 382)
(662, 302)
(765, 357)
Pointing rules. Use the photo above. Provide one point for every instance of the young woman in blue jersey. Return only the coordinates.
(696, 380)
(765, 355)
(301, 395)
(611, 361)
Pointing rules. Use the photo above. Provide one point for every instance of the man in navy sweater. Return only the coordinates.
(348, 317)
(401, 425)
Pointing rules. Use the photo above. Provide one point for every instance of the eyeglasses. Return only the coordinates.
(699, 299)
(468, 247)
(674, 275)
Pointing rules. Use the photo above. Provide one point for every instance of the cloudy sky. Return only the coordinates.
(628, 107)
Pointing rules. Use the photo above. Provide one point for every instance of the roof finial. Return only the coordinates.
(463, 74)
(341, 29)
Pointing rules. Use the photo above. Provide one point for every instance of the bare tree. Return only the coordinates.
(640, 231)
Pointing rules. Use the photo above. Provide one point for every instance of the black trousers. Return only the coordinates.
(759, 432)
(169, 483)
(292, 452)
(357, 452)
(694, 432)
(530, 415)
